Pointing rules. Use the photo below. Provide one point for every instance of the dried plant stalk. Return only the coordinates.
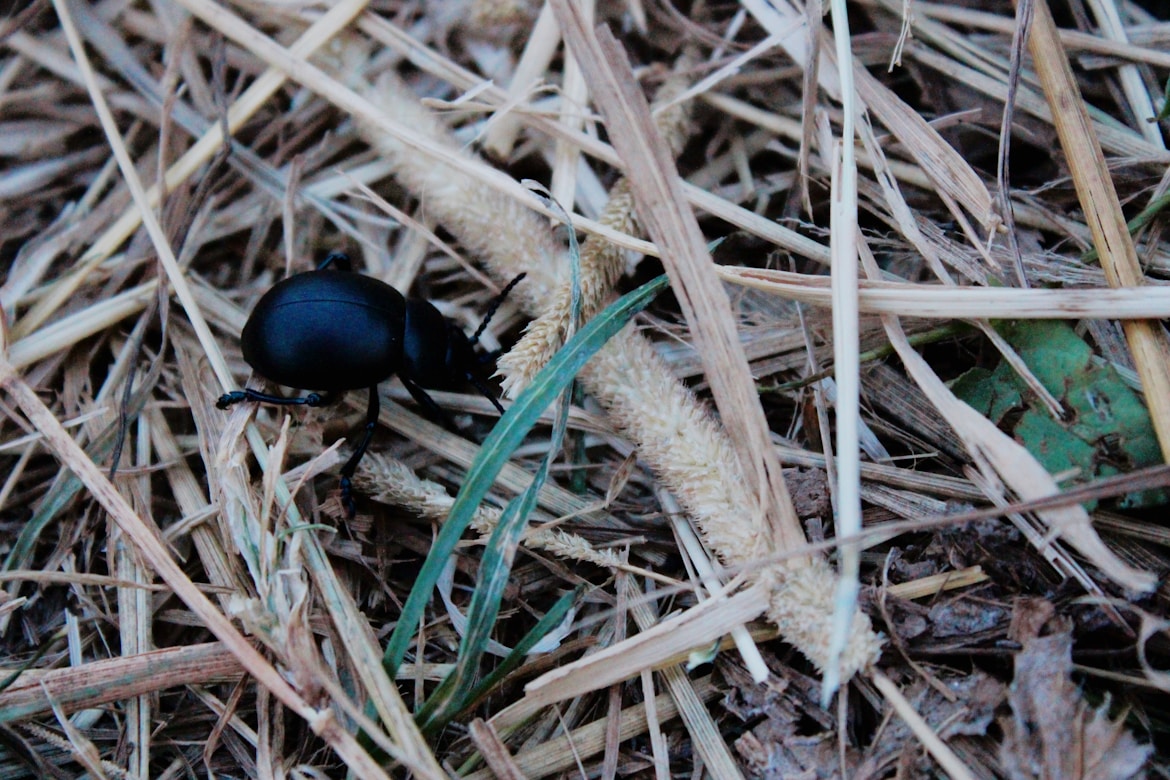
(561, 753)
(101, 682)
(390, 481)
(952, 302)
(159, 558)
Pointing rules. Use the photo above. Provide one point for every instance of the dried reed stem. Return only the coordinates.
(952, 302)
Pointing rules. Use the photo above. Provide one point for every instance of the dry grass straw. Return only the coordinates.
(929, 587)
(148, 545)
(949, 302)
(948, 761)
(846, 356)
(93, 684)
(558, 754)
(327, 108)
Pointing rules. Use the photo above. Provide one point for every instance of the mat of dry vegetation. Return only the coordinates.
(877, 489)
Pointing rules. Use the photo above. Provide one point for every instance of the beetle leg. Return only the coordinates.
(319, 399)
(248, 394)
(431, 408)
(347, 471)
(227, 399)
(483, 389)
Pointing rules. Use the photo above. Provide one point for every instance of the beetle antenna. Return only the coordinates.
(495, 304)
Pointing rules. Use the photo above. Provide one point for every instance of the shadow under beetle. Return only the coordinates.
(335, 330)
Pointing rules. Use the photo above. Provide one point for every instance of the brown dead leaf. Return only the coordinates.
(1052, 732)
(967, 712)
(792, 736)
(965, 617)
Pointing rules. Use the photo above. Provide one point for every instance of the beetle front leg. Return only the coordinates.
(484, 390)
(248, 394)
(350, 467)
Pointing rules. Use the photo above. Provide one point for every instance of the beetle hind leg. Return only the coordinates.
(430, 406)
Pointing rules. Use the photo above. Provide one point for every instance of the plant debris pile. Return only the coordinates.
(835, 439)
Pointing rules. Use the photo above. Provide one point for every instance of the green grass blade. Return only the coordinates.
(496, 566)
(497, 450)
(551, 620)
(494, 571)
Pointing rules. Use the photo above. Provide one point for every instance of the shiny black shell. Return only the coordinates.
(327, 330)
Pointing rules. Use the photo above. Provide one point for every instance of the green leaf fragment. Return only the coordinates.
(1050, 442)
(1107, 428)
(1052, 349)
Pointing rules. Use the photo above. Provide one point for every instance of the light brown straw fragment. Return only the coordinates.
(112, 679)
(542, 43)
(663, 643)
(942, 752)
(952, 302)
(1098, 198)
(559, 753)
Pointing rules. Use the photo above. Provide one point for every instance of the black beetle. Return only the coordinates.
(335, 330)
